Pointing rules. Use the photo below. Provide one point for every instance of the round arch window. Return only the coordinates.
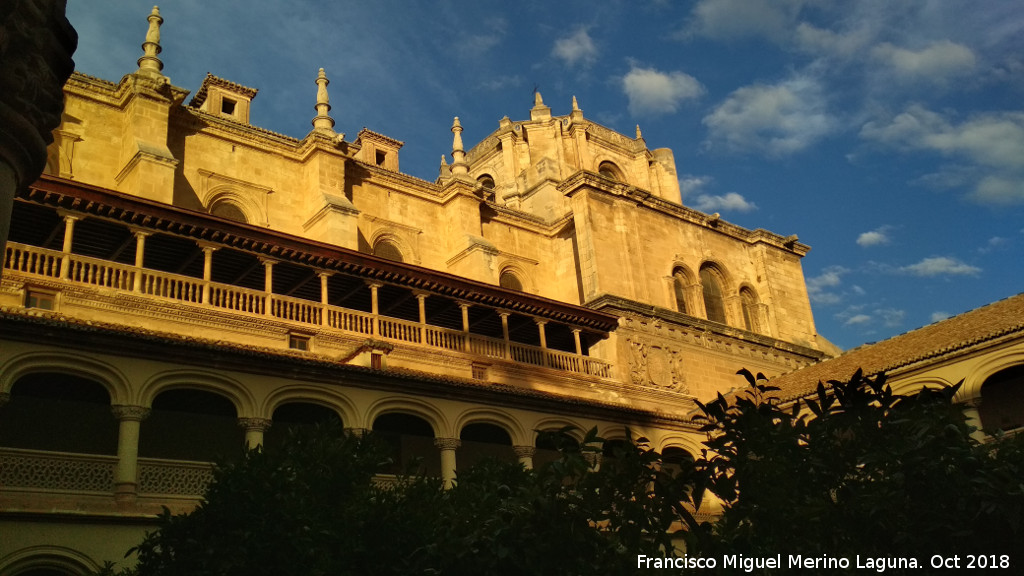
(229, 211)
(508, 279)
(486, 181)
(610, 171)
(387, 249)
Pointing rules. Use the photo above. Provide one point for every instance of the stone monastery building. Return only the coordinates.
(180, 282)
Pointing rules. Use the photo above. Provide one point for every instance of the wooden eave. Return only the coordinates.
(149, 214)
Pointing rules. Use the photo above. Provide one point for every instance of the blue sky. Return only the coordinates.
(886, 134)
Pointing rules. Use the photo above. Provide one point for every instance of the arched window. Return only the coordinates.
(748, 303)
(610, 170)
(508, 279)
(229, 211)
(1002, 400)
(486, 181)
(714, 303)
(387, 249)
(679, 284)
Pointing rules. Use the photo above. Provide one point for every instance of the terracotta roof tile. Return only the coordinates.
(950, 335)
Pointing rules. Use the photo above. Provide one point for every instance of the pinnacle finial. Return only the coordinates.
(537, 100)
(323, 120)
(639, 135)
(575, 105)
(444, 161)
(459, 165)
(150, 63)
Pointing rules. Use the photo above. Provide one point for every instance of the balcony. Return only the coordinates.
(26, 262)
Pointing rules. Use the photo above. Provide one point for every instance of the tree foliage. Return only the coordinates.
(856, 469)
(852, 469)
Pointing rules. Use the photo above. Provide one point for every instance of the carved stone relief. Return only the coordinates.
(657, 366)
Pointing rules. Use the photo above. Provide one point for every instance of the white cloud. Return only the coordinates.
(991, 145)
(939, 316)
(727, 19)
(690, 184)
(876, 237)
(941, 266)
(652, 92)
(818, 286)
(857, 319)
(576, 49)
(731, 201)
(937, 63)
(891, 317)
(777, 120)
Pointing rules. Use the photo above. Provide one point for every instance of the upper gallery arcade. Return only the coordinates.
(557, 212)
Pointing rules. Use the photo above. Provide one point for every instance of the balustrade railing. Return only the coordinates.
(237, 299)
(56, 471)
(85, 270)
(401, 330)
(174, 287)
(295, 309)
(159, 477)
(484, 346)
(31, 260)
(100, 272)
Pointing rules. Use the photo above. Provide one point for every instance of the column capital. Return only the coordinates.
(420, 294)
(374, 283)
(524, 451)
(324, 273)
(447, 443)
(207, 246)
(67, 215)
(267, 261)
(140, 232)
(356, 431)
(255, 424)
(541, 321)
(128, 412)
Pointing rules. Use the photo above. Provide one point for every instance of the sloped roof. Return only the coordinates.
(932, 341)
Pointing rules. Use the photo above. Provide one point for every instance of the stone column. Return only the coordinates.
(268, 286)
(140, 257)
(421, 299)
(504, 333)
(254, 429)
(974, 418)
(576, 339)
(324, 276)
(447, 446)
(127, 473)
(208, 251)
(374, 307)
(525, 455)
(69, 234)
(543, 339)
(464, 306)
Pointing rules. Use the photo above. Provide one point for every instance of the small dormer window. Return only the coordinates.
(227, 106)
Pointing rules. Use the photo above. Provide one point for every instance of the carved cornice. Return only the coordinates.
(594, 182)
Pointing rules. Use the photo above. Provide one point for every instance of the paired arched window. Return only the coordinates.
(387, 249)
(714, 300)
(679, 284)
(748, 305)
